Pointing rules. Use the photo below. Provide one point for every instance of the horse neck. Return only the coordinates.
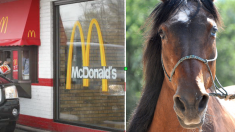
(165, 118)
(217, 118)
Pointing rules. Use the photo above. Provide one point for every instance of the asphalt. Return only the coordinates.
(22, 128)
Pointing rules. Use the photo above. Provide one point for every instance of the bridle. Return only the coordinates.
(222, 95)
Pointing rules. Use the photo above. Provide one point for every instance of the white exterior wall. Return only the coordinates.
(46, 36)
(41, 103)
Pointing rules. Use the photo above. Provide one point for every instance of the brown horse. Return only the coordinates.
(178, 99)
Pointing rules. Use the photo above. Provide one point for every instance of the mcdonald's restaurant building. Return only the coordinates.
(67, 59)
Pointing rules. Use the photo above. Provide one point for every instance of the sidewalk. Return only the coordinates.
(29, 129)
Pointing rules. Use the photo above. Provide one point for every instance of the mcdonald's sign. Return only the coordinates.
(15, 62)
(31, 33)
(3, 24)
(104, 73)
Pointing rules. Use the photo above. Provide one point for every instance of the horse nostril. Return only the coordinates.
(179, 104)
(203, 102)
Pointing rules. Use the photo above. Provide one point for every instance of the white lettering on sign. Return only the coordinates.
(102, 73)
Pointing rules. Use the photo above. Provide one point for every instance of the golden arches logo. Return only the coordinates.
(31, 33)
(85, 52)
(3, 22)
(15, 62)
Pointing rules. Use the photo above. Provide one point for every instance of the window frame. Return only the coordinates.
(33, 56)
(56, 57)
(23, 86)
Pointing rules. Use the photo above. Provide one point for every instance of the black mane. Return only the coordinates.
(153, 72)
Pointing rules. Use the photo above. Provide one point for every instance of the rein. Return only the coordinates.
(222, 95)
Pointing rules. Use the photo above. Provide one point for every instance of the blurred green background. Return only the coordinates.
(137, 12)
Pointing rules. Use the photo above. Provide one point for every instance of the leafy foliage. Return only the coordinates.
(226, 44)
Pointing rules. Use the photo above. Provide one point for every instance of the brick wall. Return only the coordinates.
(89, 104)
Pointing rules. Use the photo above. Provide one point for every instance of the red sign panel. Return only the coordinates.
(15, 64)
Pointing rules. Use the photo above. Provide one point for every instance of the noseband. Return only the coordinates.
(221, 95)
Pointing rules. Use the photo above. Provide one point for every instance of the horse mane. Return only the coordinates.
(153, 73)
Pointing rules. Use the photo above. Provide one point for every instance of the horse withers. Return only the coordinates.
(179, 65)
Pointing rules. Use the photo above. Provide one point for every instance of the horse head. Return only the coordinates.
(180, 42)
(189, 30)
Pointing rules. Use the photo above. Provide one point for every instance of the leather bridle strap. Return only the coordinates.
(221, 95)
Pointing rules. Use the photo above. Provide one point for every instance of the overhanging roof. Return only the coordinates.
(19, 23)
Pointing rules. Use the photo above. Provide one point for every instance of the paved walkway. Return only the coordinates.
(21, 128)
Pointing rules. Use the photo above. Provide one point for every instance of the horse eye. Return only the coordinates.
(213, 31)
(160, 32)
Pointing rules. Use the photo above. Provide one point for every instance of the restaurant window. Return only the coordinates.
(89, 63)
(19, 64)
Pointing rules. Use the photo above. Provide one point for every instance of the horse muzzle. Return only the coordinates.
(190, 109)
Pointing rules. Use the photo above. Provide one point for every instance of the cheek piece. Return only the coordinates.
(223, 93)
